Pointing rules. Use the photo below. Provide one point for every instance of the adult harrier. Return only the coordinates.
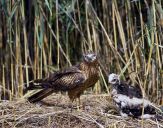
(74, 80)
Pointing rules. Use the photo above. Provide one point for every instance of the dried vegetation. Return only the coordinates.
(57, 112)
(38, 37)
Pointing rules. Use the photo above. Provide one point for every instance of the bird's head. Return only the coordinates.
(113, 78)
(90, 57)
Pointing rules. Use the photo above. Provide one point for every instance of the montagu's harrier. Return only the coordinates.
(74, 80)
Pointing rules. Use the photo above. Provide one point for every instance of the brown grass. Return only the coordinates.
(56, 111)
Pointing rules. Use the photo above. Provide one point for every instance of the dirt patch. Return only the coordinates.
(56, 111)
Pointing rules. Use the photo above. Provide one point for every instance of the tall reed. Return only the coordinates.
(38, 37)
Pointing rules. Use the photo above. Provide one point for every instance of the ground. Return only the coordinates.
(57, 111)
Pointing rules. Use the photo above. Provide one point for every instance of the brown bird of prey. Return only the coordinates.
(74, 80)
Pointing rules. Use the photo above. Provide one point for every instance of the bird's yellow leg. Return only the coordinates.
(78, 104)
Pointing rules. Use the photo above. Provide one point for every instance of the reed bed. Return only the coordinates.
(40, 37)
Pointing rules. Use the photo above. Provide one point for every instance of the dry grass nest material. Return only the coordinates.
(56, 111)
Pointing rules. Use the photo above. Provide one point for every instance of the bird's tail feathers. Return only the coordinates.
(37, 84)
(40, 95)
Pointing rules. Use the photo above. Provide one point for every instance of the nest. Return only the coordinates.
(56, 111)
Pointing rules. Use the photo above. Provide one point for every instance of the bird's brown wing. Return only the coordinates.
(60, 81)
(67, 81)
